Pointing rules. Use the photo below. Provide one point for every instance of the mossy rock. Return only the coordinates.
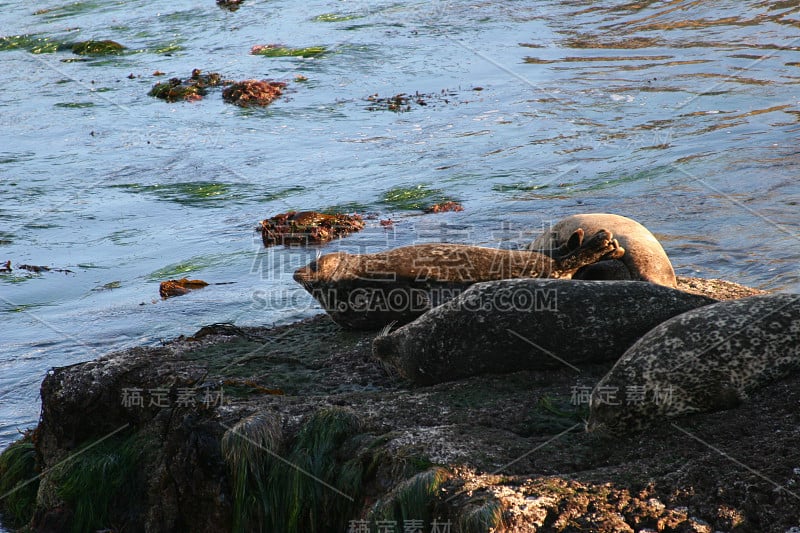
(97, 48)
(173, 91)
(191, 89)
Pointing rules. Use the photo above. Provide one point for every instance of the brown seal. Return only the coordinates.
(368, 291)
(644, 259)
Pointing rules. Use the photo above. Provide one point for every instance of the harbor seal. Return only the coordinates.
(526, 324)
(706, 359)
(368, 291)
(644, 257)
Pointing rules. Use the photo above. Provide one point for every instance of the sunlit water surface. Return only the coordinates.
(682, 115)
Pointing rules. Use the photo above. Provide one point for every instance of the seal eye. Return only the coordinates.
(312, 266)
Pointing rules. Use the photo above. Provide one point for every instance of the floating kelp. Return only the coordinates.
(31, 43)
(336, 17)
(35, 269)
(403, 101)
(97, 48)
(444, 207)
(190, 89)
(179, 287)
(414, 197)
(307, 227)
(253, 92)
(279, 50)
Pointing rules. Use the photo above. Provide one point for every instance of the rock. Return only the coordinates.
(511, 325)
(393, 451)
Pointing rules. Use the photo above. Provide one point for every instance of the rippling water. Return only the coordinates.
(682, 115)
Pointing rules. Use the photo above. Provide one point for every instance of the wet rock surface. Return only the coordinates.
(500, 452)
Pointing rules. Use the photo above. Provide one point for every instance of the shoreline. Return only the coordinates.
(335, 422)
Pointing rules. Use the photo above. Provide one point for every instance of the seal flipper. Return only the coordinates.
(595, 249)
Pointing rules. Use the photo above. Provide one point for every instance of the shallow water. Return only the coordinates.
(682, 115)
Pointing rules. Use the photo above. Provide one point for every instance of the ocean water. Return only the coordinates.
(683, 115)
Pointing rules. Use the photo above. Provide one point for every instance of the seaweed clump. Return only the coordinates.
(19, 482)
(253, 92)
(230, 5)
(190, 89)
(279, 50)
(444, 207)
(304, 227)
(315, 488)
(97, 48)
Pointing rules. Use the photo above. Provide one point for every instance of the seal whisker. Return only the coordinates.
(387, 328)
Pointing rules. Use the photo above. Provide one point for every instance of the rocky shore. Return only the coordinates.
(298, 428)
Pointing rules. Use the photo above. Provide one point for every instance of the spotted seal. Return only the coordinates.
(644, 257)
(706, 359)
(510, 325)
(368, 291)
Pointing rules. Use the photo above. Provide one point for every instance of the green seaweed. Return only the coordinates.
(413, 499)
(336, 17)
(193, 264)
(31, 43)
(246, 448)
(313, 489)
(166, 48)
(481, 518)
(346, 207)
(67, 10)
(97, 48)
(19, 483)
(517, 187)
(207, 193)
(74, 105)
(285, 51)
(414, 197)
(186, 193)
(92, 483)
